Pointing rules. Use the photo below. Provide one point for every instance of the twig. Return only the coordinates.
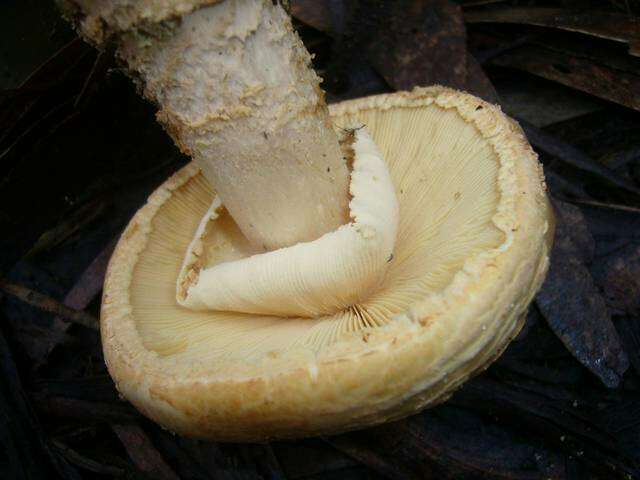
(68, 227)
(611, 26)
(612, 206)
(142, 452)
(86, 288)
(48, 304)
(87, 463)
(99, 67)
(83, 410)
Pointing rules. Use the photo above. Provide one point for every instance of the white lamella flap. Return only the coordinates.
(308, 279)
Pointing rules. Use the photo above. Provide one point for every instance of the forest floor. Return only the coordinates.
(80, 152)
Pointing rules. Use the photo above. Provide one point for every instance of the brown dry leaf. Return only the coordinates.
(478, 83)
(25, 449)
(312, 459)
(612, 26)
(576, 72)
(142, 452)
(573, 157)
(570, 421)
(426, 446)
(409, 42)
(423, 42)
(630, 334)
(68, 228)
(86, 463)
(31, 327)
(88, 286)
(360, 450)
(315, 13)
(619, 278)
(572, 304)
(603, 53)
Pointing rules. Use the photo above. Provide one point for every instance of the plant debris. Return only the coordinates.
(48, 304)
(81, 152)
(603, 24)
(572, 304)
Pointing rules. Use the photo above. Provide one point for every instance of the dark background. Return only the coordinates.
(80, 151)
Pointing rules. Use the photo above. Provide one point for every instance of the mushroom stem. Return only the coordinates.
(235, 91)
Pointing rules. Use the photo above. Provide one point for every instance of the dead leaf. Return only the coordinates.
(543, 412)
(572, 222)
(68, 227)
(410, 42)
(31, 327)
(363, 453)
(629, 329)
(573, 306)
(576, 72)
(142, 452)
(422, 43)
(315, 13)
(85, 290)
(619, 278)
(478, 83)
(574, 157)
(612, 26)
(312, 459)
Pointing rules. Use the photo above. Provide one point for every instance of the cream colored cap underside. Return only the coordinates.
(446, 178)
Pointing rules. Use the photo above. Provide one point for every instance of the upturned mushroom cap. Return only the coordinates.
(471, 250)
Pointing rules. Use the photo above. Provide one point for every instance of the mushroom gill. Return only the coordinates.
(447, 180)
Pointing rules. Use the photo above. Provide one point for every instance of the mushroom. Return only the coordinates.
(439, 239)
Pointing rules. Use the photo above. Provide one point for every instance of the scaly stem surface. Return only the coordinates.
(235, 91)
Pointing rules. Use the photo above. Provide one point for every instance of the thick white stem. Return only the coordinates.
(236, 92)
